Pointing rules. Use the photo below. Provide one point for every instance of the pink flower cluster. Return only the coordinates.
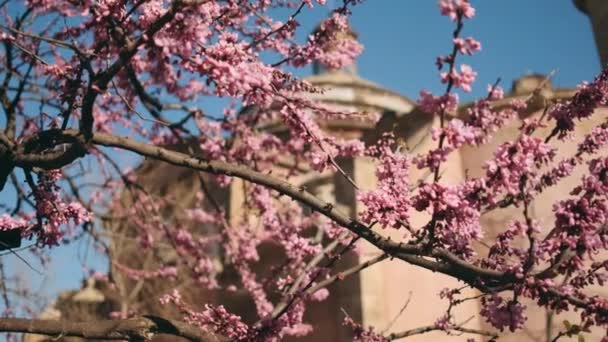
(52, 213)
(432, 104)
(443, 323)
(235, 70)
(588, 97)
(506, 255)
(595, 140)
(502, 314)
(7, 222)
(389, 203)
(517, 162)
(214, 319)
(463, 79)
(579, 221)
(467, 46)
(456, 209)
(433, 159)
(362, 334)
(487, 120)
(284, 224)
(457, 133)
(289, 324)
(340, 53)
(310, 4)
(456, 8)
(332, 45)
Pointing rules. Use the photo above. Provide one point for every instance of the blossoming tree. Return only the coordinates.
(92, 81)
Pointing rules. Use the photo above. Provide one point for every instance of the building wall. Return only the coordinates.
(397, 296)
(496, 221)
(597, 10)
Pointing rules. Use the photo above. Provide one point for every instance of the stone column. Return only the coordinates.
(597, 11)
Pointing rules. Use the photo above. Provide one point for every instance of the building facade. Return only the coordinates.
(597, 10)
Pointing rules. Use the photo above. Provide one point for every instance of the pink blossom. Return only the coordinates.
(361, 334)
(320, 295)
(56, 218)
(200, 215)
(462, 80)
(342, 53)
(595, 140)
(505, 255)
(441, 60)
(456, 8)
(389, 204)
(495, 92)
(458, 133)
(459, 212)
(437, 104)
(562, 170)
(310, 5)
(331, 45)
(519, 104)
(443, 323)
(577, 220)
(588, 97)
(7, 222)
(212, 318)
(467, 46)
(514, 160)
(503, 314)
(433, 158)
(486, 120)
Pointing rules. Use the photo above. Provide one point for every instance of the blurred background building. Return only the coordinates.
(597, 10)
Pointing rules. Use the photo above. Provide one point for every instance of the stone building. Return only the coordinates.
(597, 10)
(378, 295)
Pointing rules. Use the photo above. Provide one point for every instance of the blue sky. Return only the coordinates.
(402, 39)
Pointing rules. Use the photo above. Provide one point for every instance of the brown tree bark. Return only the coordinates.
(132, 329)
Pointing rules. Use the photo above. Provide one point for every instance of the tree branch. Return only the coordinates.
(445, 261)
(429, 328)
(299, 194)
(140, 328)
(437, 260)
(100, 81)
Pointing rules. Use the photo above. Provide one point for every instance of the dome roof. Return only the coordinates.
(349, 92)
(352, 92)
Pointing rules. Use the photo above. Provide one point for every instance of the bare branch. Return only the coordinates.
(415, 254)
(141, 328)
(429, 328)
